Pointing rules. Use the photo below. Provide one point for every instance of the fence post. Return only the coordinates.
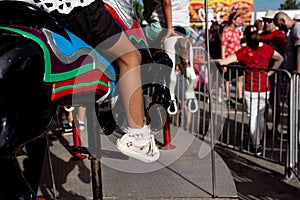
(291, 129)
(167, 135)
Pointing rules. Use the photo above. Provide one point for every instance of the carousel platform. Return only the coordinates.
(183, 172)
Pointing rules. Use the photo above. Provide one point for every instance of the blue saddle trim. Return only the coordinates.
(70, 47)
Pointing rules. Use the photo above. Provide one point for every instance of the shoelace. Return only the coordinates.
(150, 146)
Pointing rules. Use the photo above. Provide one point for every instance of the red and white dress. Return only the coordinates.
(231, 40)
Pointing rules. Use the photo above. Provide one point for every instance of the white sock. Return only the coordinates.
(141, 135)
(80, 122)
(81, 125)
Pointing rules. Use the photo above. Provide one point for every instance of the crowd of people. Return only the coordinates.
(271, 42)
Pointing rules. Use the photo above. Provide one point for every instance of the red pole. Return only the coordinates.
(77, 142)
(167, 136)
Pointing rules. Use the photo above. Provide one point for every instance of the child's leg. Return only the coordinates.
(128, 60)
(81, 117)
(137, 142)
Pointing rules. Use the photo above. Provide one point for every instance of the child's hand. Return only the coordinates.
(170, 33)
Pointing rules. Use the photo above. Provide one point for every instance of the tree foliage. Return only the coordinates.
(289, 4)
(138, 9)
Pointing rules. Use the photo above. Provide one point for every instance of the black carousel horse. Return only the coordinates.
(44, 66)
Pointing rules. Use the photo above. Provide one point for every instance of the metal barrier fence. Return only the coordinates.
(261, 118)
(268, 119)
(274, 114)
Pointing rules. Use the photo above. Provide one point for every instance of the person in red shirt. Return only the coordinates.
(230, 43)
(277, 40)
(271, 35)
(257, 91)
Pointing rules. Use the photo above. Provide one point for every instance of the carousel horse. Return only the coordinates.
(180, 52)
(44, 66)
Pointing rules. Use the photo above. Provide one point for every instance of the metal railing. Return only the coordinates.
(280, 141)
(273, 114)
(229, 123)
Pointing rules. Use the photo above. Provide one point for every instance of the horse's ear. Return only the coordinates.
(182, 48)
(162, 58)
(177, 46)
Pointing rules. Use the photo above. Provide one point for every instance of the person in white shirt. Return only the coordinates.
(162, 16)
(181, 15)
(292, 49)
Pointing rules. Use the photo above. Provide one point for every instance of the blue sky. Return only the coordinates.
(260, 5)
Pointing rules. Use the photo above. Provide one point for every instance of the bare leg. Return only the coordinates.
(188, 115)
(81, 113)
(137, 142)
(240, 86)
(70, 117)
(128, 60)
(220, 96)
(227, 90)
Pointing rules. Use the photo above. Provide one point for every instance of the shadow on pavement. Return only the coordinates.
(256, 178)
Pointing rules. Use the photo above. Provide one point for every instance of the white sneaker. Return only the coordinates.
(147, 153)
